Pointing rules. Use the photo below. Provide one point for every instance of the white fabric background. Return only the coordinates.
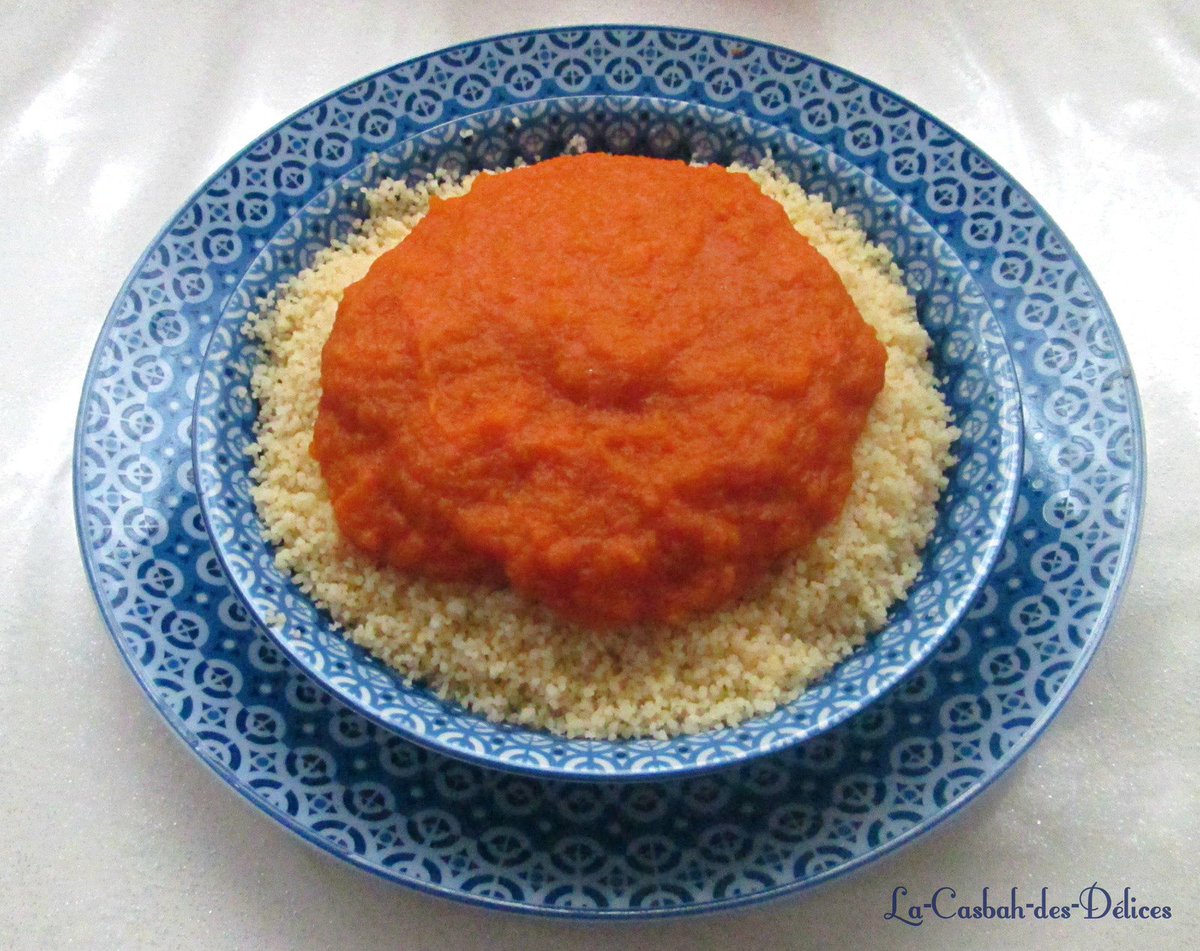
(112, 835)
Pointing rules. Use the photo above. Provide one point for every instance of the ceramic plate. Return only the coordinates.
(776, 825)
(969, 355)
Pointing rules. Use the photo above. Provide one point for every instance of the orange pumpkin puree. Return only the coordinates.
(625, 386)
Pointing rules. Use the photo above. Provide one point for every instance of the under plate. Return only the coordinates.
(770, 827)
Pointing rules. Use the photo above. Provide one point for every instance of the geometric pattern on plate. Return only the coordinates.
(771, 826)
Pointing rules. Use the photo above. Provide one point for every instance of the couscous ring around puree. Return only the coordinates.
(511, 658)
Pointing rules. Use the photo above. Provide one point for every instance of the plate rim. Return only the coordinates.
(1111, 603)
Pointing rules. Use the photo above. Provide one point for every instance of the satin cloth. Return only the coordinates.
(113, 835)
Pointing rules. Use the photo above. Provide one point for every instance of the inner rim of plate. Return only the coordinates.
(965, 543)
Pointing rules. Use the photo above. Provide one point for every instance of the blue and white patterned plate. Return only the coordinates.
(771, 826)
(969, 356)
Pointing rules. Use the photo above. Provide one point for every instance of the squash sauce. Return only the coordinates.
(625, 386)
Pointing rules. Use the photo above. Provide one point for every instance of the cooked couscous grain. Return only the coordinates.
(511, 659)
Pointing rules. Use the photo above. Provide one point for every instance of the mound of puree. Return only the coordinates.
(625, 386)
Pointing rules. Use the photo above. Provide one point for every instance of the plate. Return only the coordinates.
(744, 834)
(969, 354)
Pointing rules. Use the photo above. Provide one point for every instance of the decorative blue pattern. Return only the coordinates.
(770, 826)
(969, 352)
